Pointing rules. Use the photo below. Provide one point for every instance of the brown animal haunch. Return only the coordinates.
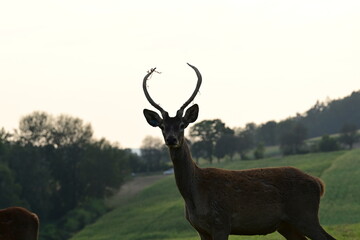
(17, 223)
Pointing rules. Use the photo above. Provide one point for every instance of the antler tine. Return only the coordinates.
(181, 110)
(148, 95)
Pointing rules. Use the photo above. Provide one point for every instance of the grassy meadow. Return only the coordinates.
(157, 212)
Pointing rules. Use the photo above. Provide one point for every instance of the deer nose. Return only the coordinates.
(171, 140)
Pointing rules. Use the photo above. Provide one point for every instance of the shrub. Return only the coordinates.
(328, 144)
(75, 220)
(259, 151)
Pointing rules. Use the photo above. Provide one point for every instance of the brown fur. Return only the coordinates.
(322, 186)
(221, 202)
(17, 223)
(248, 202)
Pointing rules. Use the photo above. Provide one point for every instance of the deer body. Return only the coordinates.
(17, 223)
(246, 202)
(221, 202)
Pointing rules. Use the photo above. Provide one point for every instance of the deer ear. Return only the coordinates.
(191, 114)
(152, 118)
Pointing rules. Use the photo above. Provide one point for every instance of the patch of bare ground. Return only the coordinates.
(131, 188)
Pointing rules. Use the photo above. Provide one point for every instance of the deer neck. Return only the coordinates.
(185, 170)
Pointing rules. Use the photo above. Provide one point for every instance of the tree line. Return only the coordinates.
(53, 165)
(211, 139)
(327, 117)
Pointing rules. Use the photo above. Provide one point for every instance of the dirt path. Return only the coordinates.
(131, 188)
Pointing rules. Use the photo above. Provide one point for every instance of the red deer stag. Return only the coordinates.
(219, 202)
(17, 223)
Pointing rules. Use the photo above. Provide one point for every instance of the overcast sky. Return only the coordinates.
(260, 60)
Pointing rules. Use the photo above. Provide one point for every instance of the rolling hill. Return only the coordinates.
(157, 212)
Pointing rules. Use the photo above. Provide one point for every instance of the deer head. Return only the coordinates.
(172, 127)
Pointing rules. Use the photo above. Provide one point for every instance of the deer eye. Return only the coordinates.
(182, 126)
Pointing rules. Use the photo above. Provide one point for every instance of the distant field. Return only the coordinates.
(157, 212)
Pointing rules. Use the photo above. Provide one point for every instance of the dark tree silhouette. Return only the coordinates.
(349, 135)
(209, 132)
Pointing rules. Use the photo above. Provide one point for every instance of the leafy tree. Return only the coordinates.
(41, 129)
(202, 149)
(68, 130)
(65, 169)
(108, 163)
(31, 170)
(349, 135)
(136, 163)
(86, 171)
(154, 154)
(259, 151)
(35, 129)
(10, 190)
(226, 145)
(245, 140)
(251, 131)
(4, 136)
(292, 138)
(268, 133)
(4, 144)
(49, 166)
(209, 132)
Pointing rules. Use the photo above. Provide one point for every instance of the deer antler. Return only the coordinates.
(181, 110)
(163, 112)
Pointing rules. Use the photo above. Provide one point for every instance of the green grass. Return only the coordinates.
(342, 200)
(157, 212)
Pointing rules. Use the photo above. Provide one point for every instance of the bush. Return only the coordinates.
(51, 232)
(328, 144)
(259, 151)
(75, 220)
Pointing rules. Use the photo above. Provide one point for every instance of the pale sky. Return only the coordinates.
(260, 60)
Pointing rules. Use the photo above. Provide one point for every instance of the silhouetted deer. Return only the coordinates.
(17, 223)
(221, 202)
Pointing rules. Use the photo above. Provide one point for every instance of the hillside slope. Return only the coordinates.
(157, 212)
(330, 117)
